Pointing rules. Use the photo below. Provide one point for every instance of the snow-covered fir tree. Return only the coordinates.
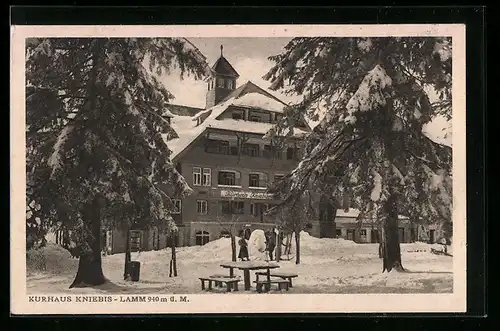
(95, 155)
(369, 151)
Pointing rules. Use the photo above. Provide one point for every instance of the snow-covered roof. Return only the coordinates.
(252, 96)
(258, 100)
(187, 131)
(249, 95)
(353, 213)
(167, 113)
(247, 126)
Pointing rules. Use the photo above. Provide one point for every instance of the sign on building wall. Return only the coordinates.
(245, 195)
(135, 240)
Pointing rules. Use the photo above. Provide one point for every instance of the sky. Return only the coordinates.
(249, 57)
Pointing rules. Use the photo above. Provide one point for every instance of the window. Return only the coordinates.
(220, 82)
(176, 206)
(232, 207)
(254, 118)
(254, 180)
(338, 233)
(291, 153)
(196, 176)
(236, 116)
(225, 234)
(207, 177)
(230, 84)
(224, 147)
(277, 178)
(217, 146)
(202, 207)
(233, 150)
(257, 180)
(271, 152)
(362, 234)
(251, 149)
(202, 237)
(229, 178)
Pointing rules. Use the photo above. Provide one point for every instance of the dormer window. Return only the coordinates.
(254, 118)
(230, 84)
(236, 116)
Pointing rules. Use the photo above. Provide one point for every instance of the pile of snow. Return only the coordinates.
(258, 100)
(216, 250)
(309, 242)
(51, 258)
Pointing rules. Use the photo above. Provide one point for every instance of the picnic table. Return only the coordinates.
(247, 266)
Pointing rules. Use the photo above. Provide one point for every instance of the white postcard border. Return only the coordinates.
(242, 303)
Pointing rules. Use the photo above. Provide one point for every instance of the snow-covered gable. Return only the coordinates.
(353, 214)
(259, 101)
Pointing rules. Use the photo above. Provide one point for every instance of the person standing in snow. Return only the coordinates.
(270, 243)
(243, 250)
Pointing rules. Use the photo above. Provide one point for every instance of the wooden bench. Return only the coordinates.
(282, 284)
(219, 284)
(282, 275)
(231, 283)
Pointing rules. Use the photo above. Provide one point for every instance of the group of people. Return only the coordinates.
(270, 246)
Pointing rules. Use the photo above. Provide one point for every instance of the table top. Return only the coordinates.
(250, 265)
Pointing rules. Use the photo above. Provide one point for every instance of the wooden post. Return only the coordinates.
(246, 278)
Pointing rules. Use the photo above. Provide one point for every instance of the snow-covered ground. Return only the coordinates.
(327, 266)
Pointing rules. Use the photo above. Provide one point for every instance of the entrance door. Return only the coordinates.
(103, 240)
(350, 234)
(374, 237)
(431, 236)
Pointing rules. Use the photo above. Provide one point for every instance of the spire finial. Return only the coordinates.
(221, 48)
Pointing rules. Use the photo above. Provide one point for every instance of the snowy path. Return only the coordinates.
(326, 267)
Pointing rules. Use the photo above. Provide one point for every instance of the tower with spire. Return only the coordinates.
(222, 81)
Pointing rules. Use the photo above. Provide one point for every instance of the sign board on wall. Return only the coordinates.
(245, 195)
(135, 240)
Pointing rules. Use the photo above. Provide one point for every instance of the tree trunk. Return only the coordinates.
(89, 266)
(173, 260)
(128, 257)
(233, 248)
(297, 246)
(391, 251)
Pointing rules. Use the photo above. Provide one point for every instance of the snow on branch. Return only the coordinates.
(55, 159)
(370, 94)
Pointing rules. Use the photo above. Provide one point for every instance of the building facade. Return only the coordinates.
(228, 162)
(225, 157)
